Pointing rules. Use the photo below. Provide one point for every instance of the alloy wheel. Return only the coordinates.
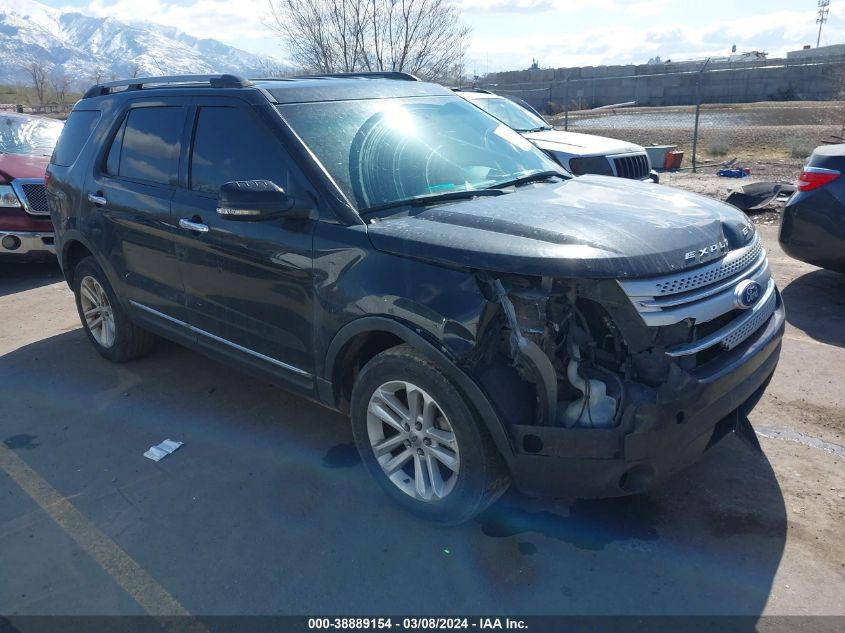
(413, 441)
(97, 311)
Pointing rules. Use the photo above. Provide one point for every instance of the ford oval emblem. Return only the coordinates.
(747, 293)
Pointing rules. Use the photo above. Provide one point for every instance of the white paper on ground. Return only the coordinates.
(160, 451)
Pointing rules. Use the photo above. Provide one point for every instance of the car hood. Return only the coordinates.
(589, 227)
(583, 144)
(21, 166)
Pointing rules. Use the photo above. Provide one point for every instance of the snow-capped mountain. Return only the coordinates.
(86, 49)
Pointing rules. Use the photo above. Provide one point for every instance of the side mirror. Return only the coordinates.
(258, 200)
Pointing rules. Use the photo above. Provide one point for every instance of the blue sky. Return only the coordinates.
(508, 34)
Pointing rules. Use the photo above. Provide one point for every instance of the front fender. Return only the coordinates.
(416, 338)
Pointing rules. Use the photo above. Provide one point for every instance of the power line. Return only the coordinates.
(824, 9)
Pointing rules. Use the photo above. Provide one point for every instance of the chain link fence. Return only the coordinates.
(712, 115)
(39, 109)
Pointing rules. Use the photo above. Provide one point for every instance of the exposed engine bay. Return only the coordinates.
(579, 346)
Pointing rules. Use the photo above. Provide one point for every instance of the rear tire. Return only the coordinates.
(104, 320)
(421, 440)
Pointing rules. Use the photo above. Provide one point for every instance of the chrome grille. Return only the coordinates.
(633, 166)
(733, 263)
(37, 198)
(752, 324)
(725, 268)
(705, 294)
(738, 330)
(32, 195)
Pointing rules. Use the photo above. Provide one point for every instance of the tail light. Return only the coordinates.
(815, 177)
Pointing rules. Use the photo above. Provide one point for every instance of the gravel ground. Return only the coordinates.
(706, 182)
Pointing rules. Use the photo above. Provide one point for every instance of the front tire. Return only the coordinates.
(104, 320)
(421, 440)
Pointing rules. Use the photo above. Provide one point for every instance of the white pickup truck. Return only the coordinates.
(578, 153)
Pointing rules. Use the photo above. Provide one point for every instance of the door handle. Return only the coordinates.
(193, 226)
(98, 200)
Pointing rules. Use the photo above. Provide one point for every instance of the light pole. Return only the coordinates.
(824, 9)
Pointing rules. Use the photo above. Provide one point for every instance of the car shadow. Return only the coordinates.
(707, 542)
(16, 278)
(269, 504)
(815, 304)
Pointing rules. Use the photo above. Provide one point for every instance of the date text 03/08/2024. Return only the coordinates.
(430, 623)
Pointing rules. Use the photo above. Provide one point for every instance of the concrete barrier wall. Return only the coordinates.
(807, 79)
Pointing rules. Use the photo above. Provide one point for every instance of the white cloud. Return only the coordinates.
(620, 43)
(649, 8)
(520, 6)
(562, 7)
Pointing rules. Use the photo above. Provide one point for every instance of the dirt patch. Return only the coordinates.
(823, 421)
(705, 181)
(814, 493)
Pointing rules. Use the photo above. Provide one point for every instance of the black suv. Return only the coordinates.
(380, 245)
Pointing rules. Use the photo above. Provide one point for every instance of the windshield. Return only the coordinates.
(511, 114)
(20, 134)
(385, 151)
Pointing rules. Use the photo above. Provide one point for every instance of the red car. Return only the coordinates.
(26, 143)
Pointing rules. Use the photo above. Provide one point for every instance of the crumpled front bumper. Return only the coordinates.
(669, 434)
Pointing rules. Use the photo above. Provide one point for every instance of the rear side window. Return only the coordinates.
(75, 134)
(146, 147)
(230, 145)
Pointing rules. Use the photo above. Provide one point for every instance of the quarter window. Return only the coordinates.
(146, 147)
(230, 145)
(80, 124)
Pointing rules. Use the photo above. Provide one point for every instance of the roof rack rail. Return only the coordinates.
(471, 89)
(396, 75)
(138, 83)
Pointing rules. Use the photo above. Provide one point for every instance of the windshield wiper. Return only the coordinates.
(433, 198)
(535, 177)
(544, 128)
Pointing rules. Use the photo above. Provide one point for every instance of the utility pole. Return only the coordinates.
(698, 112)
(824, 9)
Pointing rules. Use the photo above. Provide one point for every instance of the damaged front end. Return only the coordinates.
(594, 400)
(550, 344)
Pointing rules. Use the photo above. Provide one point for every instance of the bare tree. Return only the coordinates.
(423, 37)
(96, 77)
(38, 76)
(272, 68)
(60, 84)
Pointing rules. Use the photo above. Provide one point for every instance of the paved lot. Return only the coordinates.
(266, 509)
